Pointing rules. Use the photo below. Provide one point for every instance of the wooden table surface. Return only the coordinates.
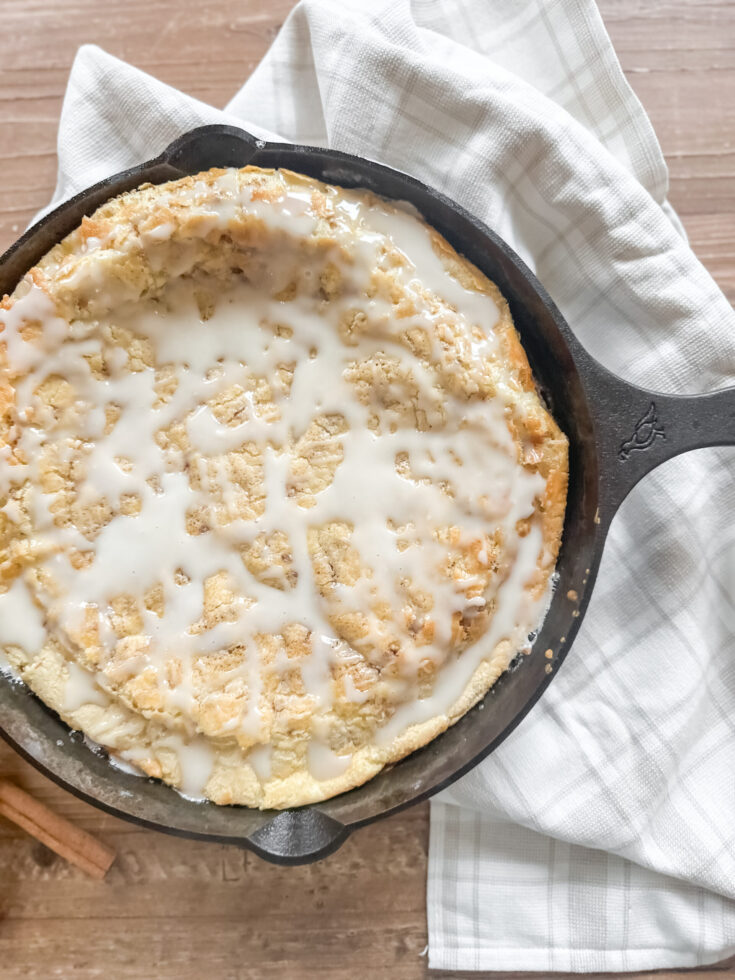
(183, 909)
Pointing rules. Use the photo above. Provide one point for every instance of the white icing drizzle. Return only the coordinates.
(512, 609)
(462, 473)
(81, 688)
(196, 761)
(410, 236)
(21, 621)
(35, 307)
(324, 764)
(261, 759)
(117, 762)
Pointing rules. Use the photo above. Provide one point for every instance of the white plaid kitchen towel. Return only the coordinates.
(601, 834)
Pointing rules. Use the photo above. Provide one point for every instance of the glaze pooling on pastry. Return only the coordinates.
(279, 498)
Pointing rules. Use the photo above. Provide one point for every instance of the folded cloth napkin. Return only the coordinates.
(601, 834)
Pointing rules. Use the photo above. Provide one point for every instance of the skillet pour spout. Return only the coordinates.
(617, 433)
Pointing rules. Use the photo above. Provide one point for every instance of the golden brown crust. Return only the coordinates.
(116, 245)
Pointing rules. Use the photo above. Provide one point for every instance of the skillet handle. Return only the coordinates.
(212, 146)
(637, 430)
(298, 836)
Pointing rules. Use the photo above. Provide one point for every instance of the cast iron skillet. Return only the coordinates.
(617, 434)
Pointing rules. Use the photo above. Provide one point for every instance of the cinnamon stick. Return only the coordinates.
(71, 843)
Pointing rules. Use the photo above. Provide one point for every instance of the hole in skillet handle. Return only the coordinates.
(298, 837)
(212, 146)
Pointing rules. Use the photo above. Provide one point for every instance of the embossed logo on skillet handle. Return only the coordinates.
(646, 430)
(637, 429)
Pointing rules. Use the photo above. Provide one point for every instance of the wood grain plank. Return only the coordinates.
(182, 908)
(195, 907)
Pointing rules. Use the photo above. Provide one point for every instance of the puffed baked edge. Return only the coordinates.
(45, 673)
